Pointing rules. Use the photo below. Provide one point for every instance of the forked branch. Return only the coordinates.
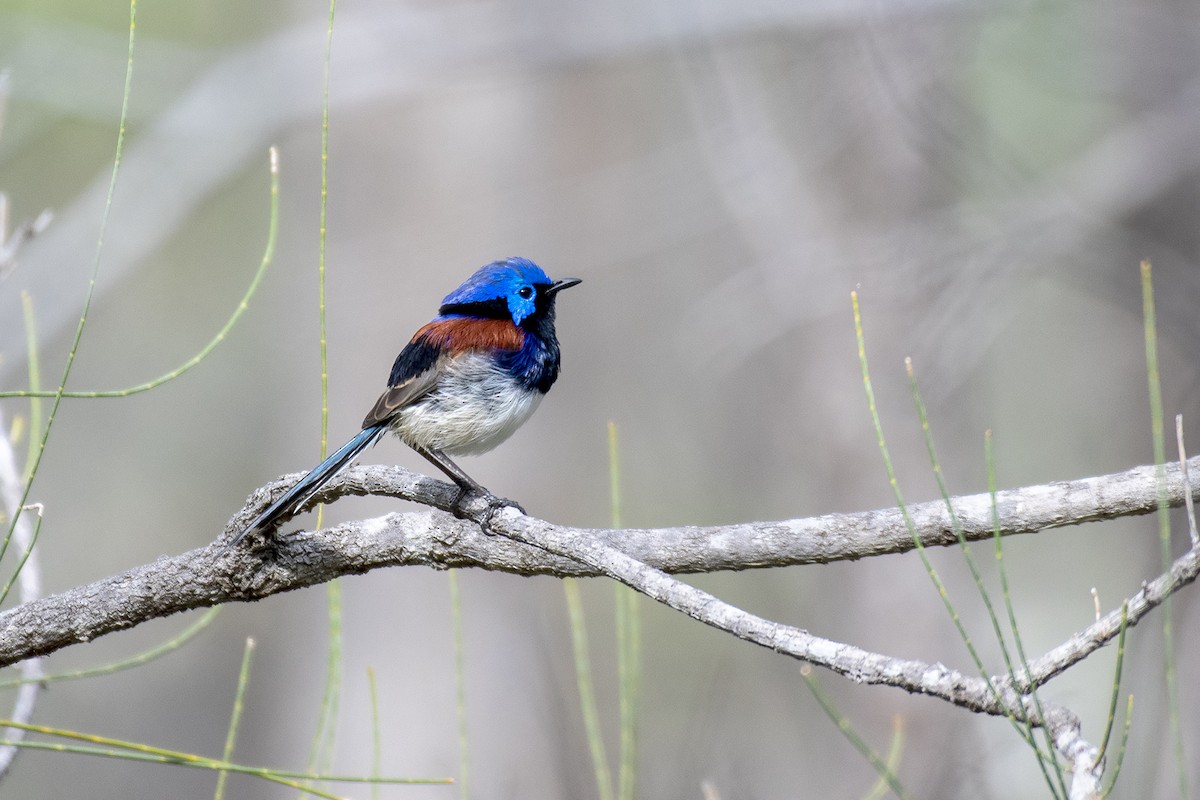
(642, 559)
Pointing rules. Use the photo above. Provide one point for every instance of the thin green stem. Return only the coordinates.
(135, 661)
(35, 379)
(327, 725)
(892, 763)
(91, 286)
(955, 524)
(12, 579)
(182, 760)
(587, 692)
(1116, 770)
(460, 686)
(919, 546)
(1116, 692)
(628, 636)
(1164, 522)
(235, 717)
(1002, 572)
(881, 443)
(242, 306)
(614, 475)
(846, 728)
(376, 733)
(326, 731)
(136, 750)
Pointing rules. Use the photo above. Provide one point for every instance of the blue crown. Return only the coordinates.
(513, 283)
(497, 279)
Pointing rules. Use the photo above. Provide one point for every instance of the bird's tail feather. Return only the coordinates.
(311, 483)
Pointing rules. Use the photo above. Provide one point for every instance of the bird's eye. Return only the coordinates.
(526, 292)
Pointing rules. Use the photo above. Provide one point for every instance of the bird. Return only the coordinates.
(462, 385)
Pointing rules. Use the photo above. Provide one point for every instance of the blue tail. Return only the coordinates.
(311, 483)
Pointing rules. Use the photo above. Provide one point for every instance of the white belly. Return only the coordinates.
(474, 408)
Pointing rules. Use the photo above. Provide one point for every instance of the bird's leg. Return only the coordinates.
(466, 484)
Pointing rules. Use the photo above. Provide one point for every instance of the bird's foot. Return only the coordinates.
(480, 505)
(464, 501)
(496, 504)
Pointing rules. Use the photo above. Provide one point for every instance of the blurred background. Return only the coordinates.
(721, 176)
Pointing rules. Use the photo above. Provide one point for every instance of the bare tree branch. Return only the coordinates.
(641, 559)
(432, 538)
(810, 540)
(986, 695)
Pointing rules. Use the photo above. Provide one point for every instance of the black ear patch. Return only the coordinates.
(496, 308)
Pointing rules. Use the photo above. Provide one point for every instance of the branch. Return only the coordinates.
(811, 540)
(985, 695)
(639, 558)
(433, 538)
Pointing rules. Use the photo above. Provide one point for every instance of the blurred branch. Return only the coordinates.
(388, 59)
(640, 559)
(29, 583)
(11, 243)
(12, 488)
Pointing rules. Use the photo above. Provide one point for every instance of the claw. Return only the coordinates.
(467, 505)
(497, 503)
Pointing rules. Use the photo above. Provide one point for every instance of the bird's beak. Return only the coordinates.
(565, 283)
